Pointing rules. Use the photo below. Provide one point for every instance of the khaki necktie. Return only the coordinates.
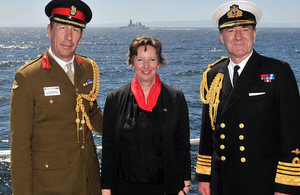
(70, 73)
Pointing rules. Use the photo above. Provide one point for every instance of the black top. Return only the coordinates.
(141, 148)
(170, 115)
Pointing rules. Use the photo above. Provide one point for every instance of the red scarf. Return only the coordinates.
(140, 97)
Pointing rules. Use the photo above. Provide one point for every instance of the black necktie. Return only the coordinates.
(235, 74)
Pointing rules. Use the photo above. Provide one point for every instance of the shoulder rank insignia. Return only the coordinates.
(45, 62)
(15, 85)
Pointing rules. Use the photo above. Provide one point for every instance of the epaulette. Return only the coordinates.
(30, 62)
(81, 58)
(218, 61)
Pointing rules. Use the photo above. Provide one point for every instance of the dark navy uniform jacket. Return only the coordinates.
(254, 148)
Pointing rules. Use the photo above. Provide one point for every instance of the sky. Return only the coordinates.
(177, 13)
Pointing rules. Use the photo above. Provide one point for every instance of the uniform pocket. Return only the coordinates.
(257, 96)
(53, 107)
(56, 159)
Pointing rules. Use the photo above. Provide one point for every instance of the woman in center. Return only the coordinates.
(146, 148)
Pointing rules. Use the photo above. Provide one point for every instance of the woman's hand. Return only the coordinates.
(204, 188)
(186, 189)
(106, 192)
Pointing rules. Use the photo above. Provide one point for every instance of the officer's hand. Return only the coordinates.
(278, 193)
(204, 188)
(106, 192)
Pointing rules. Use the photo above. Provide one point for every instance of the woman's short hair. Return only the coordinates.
(145, 41)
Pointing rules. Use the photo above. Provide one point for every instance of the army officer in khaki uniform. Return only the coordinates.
(54, 110)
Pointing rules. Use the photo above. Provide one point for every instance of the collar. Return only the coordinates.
(140, 97)
(241, 65)
(61, 62)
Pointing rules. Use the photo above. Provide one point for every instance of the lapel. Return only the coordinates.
(227, 87)
(57, 72)
(244, 82)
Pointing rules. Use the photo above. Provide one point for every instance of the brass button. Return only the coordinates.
(222, 147)
(82, 147)
(242, 148)
(76, 89)
(223, 158)
(243, 159)
(241, 137)
(241, 125)
(51, 101)
(222, 125)
(46, 166)
(222, 136)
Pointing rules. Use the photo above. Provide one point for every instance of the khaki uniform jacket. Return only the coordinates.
(45, 155)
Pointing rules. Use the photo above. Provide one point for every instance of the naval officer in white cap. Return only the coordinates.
(249, 140)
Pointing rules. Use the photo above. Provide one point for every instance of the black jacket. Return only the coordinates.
(176, 145)
(253, 149)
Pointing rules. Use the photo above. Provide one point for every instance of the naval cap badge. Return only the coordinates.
(234, 12)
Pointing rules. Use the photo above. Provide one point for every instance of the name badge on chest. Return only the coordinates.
(51, 91)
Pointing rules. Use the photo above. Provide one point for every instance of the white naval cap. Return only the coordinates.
(235, 13)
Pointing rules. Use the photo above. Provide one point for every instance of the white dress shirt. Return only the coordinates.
(241, 65)
(62, 63)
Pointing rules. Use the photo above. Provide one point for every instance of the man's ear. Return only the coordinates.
(221, 37)
(49, 31)
(81, 36)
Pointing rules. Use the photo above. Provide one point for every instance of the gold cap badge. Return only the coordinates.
(234, 12)
(73, 10)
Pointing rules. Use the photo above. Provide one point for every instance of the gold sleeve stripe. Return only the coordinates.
(204, 156)
(204, 164)
(288, 168)
(203, 170)
(204, 160)
(288, 164)
(287, 179)
(288, 172)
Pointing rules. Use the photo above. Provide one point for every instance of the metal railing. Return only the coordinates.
(5, 153)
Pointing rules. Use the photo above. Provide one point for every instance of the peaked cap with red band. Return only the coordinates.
(72, 12)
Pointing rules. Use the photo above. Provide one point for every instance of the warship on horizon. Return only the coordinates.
(137, 25)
